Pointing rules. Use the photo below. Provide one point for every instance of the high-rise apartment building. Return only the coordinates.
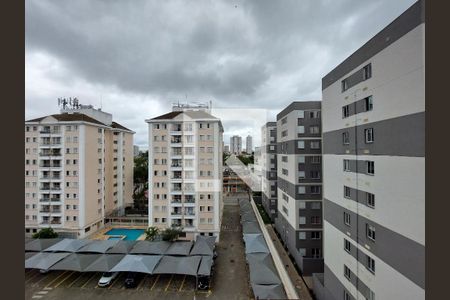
(248, 144)
(299, 172)
(268, 162)
(373, 160)
(78, 169)
(236, 144)
(185, 172)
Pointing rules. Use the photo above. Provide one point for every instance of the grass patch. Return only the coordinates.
(264, 215)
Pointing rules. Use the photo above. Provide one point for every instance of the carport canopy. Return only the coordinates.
(255, 243)
(40, 244)
(147, 247)
(98, 246)
(180, 248)
(68, 245)
(44, 260)
(274, 291)
(205, 266)
(75, 262)
(262, 269)
(137, 263)
(122, 247)
(203, 246)
(250, 227)
(183, 265)
(104, 263)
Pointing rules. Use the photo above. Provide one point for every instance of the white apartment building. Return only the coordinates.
(185, 172)
(299, 173)
(374, 167)
(236, 144)
(268, 163)
(78, 168)
(248, 144)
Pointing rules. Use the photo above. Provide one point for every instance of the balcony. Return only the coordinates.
(48, 177)
(50, 165)
(175, 213)
(48, 211)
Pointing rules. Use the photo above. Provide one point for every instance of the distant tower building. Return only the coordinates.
(248, 144)
(236, 144)
(135, 150)
(226, 149)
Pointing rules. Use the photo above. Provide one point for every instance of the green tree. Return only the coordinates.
(141, 168)
(151, 233)
(171, 234)
(45, 233)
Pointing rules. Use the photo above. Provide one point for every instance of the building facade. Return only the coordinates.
(78, 169)
(373, 159)
(236, 144)
(185, 172)
(268, 162)
(299, 188)
(248, 144)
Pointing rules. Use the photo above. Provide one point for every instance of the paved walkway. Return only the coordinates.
(300, 286)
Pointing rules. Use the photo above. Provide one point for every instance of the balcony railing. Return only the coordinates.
(175, 213)
(47, 188)
(50, 154)
(48, 131)
(176, 165)
(56, 211)
(50, 165)
(51, 177)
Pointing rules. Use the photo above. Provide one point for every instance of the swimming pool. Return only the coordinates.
(130, 234)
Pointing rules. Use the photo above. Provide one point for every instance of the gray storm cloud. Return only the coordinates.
(136, 57)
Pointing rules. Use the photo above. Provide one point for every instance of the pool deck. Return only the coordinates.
(100, 234)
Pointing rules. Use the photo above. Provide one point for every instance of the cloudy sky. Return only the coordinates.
(137, 57)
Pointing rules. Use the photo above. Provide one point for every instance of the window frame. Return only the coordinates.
(370, 167)
(347, 219)
(346, 138)
(369, 135)
(370, 232)
(370, 200)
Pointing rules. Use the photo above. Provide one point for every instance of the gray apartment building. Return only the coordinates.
(299, 172)
(373, 113)
(268, 163)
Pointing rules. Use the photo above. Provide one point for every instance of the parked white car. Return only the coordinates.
(107, 278)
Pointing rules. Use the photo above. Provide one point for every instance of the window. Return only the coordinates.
(314, 114)
(346, 218)
(315, 252)
(284, 172)
(315, 174)
(284, 121)
(302, 235)
(370, 231)
(284, 159)
(347, 272)
(285, 211)
(368, 134)
(368, 103)
(315, 205)
(301, 129)
(346, 165)
(301, 174)
(344, 85)
(314, 129)
(284, 133)
(370, 200)
(345, 111)
(301, 144)
(285, 197)
(370, 167)
(347, 245)
(315, 159)
(302, 205)
(300, 114)
(371, 264)
(301, 159)
(316, 220)
(302, 220)
(316, 235)
(367, 71)
(315, 145)
(347, 296)
(345, 138)
(315, 189)
(302, 251)
(347, 192)
(301, 189)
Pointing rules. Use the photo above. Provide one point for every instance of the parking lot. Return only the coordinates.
(229, 280)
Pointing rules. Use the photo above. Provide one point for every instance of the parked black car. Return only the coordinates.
(133, 278)
(203, 282)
